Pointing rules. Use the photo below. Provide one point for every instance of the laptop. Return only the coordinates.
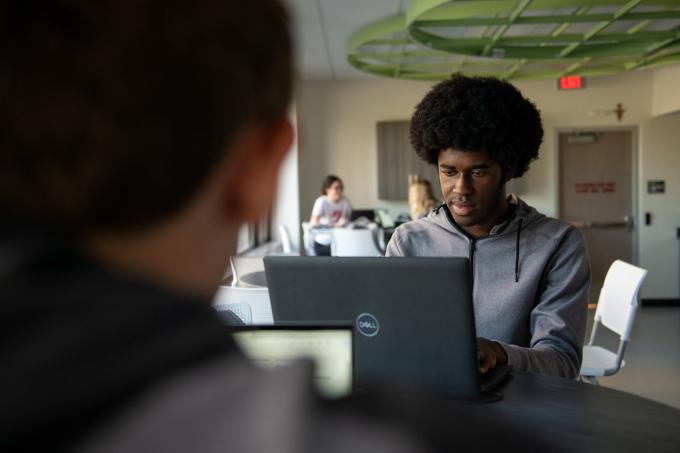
(330, 347)
(359, 213)
(413, 317)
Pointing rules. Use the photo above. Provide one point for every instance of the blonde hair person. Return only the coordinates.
(420, 198)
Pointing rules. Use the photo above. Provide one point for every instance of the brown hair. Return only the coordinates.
(114, 112)
(328, 181)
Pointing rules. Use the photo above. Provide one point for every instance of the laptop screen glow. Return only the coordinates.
(330, 350)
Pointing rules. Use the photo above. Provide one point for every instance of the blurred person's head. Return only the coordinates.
(420, 198)
(332, 187)
(143, 120)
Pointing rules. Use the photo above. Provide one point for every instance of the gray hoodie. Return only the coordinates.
(530, 283)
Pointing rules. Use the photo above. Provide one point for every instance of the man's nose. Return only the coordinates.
(462, 185)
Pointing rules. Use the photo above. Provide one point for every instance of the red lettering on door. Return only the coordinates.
(595, 187)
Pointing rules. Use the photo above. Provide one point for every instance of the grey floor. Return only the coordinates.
(652, 359)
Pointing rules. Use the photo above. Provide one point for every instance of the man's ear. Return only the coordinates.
(253, 170)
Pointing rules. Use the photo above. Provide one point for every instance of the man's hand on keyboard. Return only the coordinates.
(489, 355)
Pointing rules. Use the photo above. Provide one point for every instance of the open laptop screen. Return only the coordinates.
(358, 213)
(330, 348)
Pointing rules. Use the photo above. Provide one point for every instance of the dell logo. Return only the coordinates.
(368, 325)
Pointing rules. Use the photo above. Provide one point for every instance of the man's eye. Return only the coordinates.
(478, 173)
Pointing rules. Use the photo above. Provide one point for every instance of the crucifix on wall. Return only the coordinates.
(619, 110)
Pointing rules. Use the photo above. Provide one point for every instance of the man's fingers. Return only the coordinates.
(485, 356)
(483, 360)
(485, 365)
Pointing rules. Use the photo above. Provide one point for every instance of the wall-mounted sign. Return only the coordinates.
(595, 187)
(573, 82)
(656, 186)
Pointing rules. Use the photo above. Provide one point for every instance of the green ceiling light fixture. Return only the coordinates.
(519, 39)
(385, 48)
(545, 29)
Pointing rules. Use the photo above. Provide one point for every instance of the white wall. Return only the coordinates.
(666, 94)
(287, 204)
(659, 247)
(337, 135)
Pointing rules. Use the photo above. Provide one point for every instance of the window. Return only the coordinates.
(254, 234)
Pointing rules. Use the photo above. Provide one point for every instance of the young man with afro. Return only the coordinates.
(530, 272)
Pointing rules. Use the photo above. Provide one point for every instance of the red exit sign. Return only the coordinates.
(574, 82)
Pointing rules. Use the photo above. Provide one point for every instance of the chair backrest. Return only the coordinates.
(307, 239)
(257, 299)
(284, 237)
(243, 265)
(349, 242)
(618, 302)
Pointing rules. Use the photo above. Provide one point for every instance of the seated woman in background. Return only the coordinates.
(331, 209)
(421, 200)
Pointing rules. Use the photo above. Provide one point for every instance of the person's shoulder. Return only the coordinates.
(554, 223)
(552, 226)
(563, 235)
(321, 201)
(224, 398)
(539, 223)
(228, 403)
(411, 237)
(413, 226)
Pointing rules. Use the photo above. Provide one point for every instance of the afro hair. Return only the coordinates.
(478, 114)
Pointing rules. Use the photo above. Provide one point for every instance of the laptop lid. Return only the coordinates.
(358, 213)
(330, 347)
(413, 317)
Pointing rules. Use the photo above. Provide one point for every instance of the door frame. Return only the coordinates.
(635, 183)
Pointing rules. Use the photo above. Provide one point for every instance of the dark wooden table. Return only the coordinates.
(586, 417)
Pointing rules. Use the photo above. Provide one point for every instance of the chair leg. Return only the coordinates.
(590, 379)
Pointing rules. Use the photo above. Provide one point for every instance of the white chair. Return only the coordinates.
(308, 235)
(616, 310)
(244, 265)
(286, 243)
(349, 242)
(251, 305)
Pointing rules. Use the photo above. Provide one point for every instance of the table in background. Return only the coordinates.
(256, 279)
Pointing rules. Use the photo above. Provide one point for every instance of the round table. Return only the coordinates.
(256, 279)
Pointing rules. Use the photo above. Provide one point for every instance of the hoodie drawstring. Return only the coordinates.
(519, 230)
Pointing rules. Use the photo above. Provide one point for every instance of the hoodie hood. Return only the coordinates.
(522, 215)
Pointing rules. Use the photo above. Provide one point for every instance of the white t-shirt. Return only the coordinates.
(330, 213)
